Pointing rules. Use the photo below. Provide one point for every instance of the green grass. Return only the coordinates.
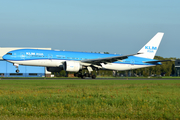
(92, 99)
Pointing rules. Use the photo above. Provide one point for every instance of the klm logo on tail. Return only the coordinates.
(150, 49)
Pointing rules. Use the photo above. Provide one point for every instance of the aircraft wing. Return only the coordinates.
(158, 61)
(107, 59)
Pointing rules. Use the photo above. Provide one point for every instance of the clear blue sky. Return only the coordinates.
(115, 26)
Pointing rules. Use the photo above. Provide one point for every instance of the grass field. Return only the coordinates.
(90, 99)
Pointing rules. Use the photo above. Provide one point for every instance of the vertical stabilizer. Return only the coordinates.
(150, 49)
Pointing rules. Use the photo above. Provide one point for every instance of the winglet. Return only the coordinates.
(150, 49)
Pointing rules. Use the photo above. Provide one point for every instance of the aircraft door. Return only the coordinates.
(50, 56)
(132, 62)
(22, 55)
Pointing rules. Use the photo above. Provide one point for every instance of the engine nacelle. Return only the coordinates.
(55, 69)
(72, 66)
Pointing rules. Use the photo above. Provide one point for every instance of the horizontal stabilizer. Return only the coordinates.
(158, 61)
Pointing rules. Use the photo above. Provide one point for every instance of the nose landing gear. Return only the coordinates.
(17, 65)
(17, 71)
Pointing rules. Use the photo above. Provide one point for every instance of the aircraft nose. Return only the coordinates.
(5, 57)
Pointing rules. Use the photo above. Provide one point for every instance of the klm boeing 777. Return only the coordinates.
(76, 61)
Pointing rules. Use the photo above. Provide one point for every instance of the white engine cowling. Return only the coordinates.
(72, 66)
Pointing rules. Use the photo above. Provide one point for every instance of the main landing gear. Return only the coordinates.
(83, 76)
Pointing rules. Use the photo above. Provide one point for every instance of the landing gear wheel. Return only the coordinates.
(86, 74)
(83, 77)
(17, 71)
(93, 77)
(75, 74)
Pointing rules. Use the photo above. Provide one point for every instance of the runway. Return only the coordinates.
(90, 79)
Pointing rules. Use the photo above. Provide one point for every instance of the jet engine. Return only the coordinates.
(72, 66)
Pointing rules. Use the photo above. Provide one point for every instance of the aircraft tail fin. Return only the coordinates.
(150, 49)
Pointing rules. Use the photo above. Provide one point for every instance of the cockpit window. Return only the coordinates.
(9, 54)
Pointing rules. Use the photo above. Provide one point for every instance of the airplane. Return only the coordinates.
(69, 61)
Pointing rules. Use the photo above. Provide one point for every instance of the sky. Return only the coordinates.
(114, 26)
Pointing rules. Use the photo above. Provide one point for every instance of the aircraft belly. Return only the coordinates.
(122, 67)
(47, 63)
